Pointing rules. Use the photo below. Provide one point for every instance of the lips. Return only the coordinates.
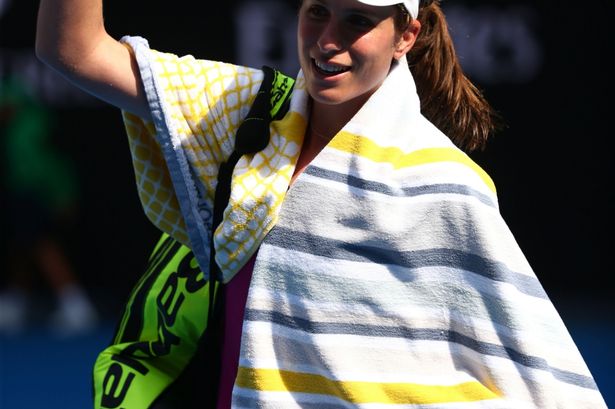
(329, 68)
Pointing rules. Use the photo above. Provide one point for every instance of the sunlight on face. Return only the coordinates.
(345, 49)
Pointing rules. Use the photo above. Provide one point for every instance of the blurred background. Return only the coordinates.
(74, 239)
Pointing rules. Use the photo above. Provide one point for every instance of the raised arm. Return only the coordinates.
(71, 38)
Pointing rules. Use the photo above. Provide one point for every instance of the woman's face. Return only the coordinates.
(346, 49)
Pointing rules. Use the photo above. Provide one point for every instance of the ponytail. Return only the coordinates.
(448, 98)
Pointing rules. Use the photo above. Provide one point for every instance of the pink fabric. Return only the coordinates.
(237, 294)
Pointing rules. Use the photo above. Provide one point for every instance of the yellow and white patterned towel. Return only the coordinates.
(196, 107)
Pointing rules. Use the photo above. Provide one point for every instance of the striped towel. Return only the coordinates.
(385, 275)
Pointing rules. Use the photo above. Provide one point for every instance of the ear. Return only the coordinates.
(407, 39)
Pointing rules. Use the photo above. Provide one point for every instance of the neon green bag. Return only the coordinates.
(159, 332)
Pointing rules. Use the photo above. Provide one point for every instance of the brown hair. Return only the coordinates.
(448, 98)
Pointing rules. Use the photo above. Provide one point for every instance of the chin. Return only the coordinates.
(327, 96)
(325, 100)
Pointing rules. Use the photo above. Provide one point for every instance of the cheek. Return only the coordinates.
(305, 35)
(377, 60)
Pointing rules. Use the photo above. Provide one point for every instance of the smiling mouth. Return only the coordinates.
(329, 69)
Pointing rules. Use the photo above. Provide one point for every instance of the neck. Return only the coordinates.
(315, 134)
(327, 120)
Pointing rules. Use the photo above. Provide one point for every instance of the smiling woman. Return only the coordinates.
(346, 49)
(361, 259)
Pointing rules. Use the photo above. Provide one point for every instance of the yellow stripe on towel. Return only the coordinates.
(367, 148)
(273, 380)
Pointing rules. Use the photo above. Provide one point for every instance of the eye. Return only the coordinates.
(360, 21)
(317, 11)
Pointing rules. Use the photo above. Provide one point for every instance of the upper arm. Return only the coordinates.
(108, 70)
(116, 79)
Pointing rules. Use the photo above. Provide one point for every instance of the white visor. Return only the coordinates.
(411, 5)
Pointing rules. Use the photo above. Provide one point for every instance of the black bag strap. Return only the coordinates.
(271, 102)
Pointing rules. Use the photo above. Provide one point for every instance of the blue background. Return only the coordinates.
(38, 370)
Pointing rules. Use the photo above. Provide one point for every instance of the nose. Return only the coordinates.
(330, 39)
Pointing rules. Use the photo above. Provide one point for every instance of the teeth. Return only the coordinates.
(330, 67)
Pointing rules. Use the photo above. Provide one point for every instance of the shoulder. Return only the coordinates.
(422, 155)
(432, 147)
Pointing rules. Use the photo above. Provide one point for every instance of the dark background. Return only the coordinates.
(545, 66)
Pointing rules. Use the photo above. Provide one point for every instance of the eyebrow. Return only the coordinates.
(366, 9)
